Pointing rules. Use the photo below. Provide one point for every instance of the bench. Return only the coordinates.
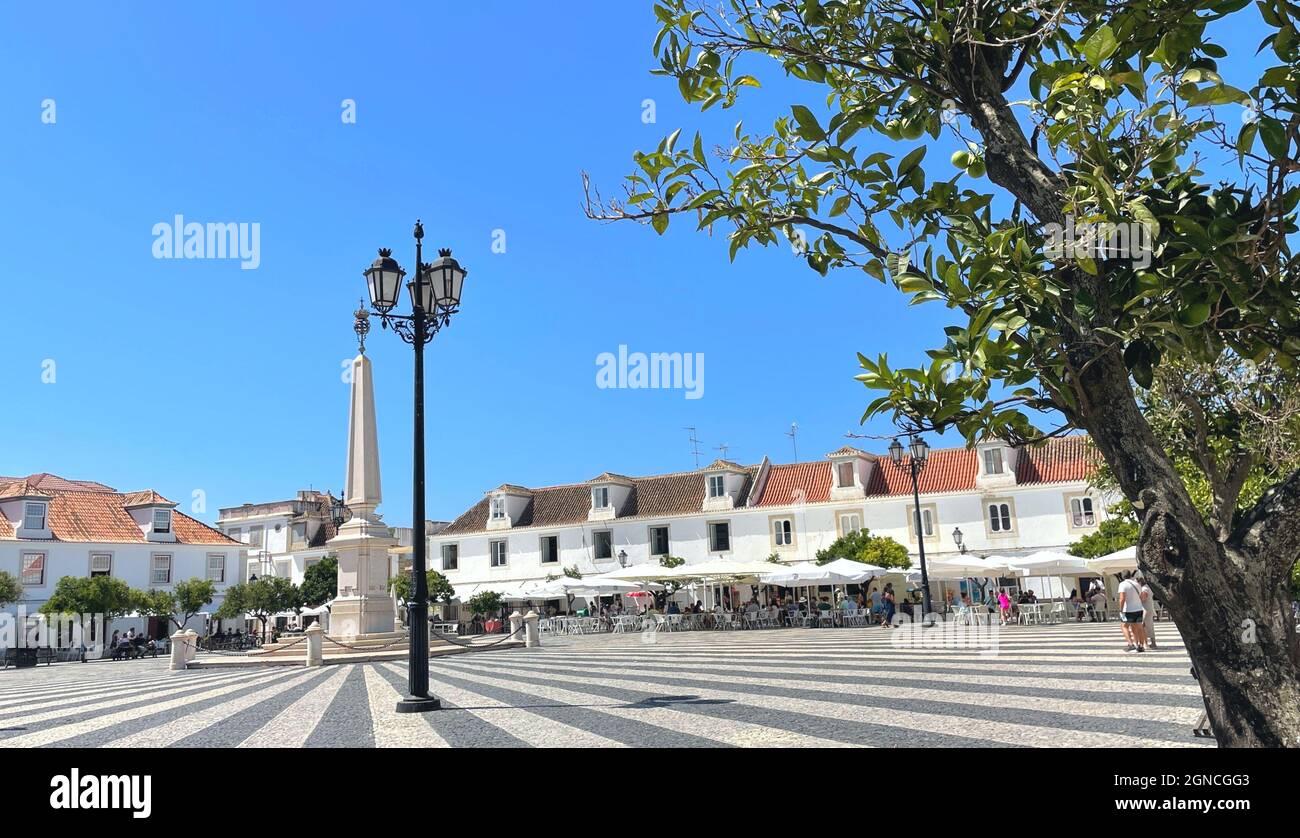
(20, 658)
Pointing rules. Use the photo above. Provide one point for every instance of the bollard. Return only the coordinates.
(516, 622)
(315, 644)
(532, 637)
(191, 645)
(180, 644)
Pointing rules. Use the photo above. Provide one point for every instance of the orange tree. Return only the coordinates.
(1081, 114)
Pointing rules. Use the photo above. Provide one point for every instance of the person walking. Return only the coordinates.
(1132, 613)
(1148, 611)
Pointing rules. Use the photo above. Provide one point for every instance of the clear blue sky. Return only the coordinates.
(197, 375)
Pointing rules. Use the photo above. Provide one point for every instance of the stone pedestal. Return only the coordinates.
(532, 637)
(315, 642)
(180, 646)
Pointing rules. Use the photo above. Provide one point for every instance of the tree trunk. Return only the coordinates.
(1229, 600)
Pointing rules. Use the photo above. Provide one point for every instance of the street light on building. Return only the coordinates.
(919, 451)
(435, 296)
(622, 558)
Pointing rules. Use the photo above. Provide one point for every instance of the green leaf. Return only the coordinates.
(909, 162)
(1099, 46)
(809, 129)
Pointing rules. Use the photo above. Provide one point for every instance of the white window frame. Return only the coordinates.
(492, 553)
(988, 504)
(928, 510)
(713, 547)
(220, 579)
(43, 513)
(595, 545)
(236, 534)
(839, 475)
(717, 482)
(455, 559)
(167, 526)
(23, 570)
(668, 539)
(541, 549)
(153, 568)
(780, 531)
(600, 497)
(258, 531)
(100, 554)
(1070, 501)
(1001, 462)
(497, 508)
(841, 514)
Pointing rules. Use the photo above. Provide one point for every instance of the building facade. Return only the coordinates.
(1005, 500)
(51, 527)
(283, 537)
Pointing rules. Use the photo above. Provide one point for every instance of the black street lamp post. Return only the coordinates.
(919, 451)
(435, 297)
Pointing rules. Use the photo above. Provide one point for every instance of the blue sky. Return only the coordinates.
(185, 375)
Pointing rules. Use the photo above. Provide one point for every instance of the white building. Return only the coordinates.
(283, 537)
(51, 527)
(1005, 500)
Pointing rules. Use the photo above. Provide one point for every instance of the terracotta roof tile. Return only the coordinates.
(849, 449)
(100, 515)
(54, 483)
(651, 497)
(146, 498)
(946, 470)
(1067, 458)
(797, 483)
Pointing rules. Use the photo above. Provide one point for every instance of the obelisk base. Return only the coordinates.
(355, 617)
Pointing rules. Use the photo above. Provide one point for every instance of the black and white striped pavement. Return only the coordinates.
(1066, 685)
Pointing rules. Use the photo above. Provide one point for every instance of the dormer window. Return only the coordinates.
(34, 515)
(844, 475)
(992, 461)
(600, 497)
(498, 508)
(162, 520)
(717, 486)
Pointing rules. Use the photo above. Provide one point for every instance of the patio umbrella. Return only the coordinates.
(801, 574)
(1049, 563)
(1116, 562)
(962, 567)
(854, 571)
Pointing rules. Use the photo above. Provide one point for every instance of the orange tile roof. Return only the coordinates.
(1067, 458)
(945, 470)
(797, 483)
(99, 514)
(54, 483)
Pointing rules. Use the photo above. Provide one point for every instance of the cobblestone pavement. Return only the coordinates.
(1069, 685)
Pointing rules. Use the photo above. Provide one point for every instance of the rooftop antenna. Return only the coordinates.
(724, 448)
(695, 444)
(793, 434)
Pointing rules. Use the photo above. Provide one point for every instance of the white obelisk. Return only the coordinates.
(363, 605)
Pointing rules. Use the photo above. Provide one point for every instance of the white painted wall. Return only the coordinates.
(1041, 522)
(132, 564)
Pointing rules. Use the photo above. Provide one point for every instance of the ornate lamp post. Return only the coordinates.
(435, 297)
(918, 450)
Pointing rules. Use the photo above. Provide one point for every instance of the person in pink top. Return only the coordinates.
(1004, 605)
